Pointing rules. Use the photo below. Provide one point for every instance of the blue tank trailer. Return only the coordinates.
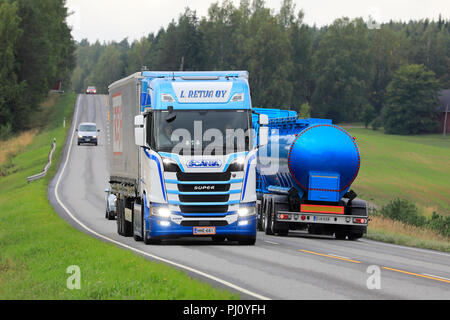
(304, 175)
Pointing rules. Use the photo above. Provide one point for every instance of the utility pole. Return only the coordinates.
(445, 122)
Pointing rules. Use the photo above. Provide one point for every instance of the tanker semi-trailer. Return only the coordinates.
(304, 175)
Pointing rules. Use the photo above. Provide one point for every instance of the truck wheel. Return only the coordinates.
(119, 217)
(260, 217)
(279, 227)
(247, 241)
(127, 225)
(267, 221)
(340, 235)
(354, 236)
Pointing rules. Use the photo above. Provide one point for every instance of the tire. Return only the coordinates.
(340, 235)
(124, 228)
(247, 241)
(279, 228)
(354, 236)
(267, 222)
(128, 226)
(260, 217)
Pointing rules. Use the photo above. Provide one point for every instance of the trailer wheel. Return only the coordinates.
(340, 235)
(354, 236)
(260, 208)
(279, 228)
(267, 222)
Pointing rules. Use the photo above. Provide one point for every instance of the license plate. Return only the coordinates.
(204, 230)
(87, 139)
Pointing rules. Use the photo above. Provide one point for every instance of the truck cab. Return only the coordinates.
(196, 156)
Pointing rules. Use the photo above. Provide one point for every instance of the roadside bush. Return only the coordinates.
(5, 131)
(377, 123)
(404, 211)
(440, 224)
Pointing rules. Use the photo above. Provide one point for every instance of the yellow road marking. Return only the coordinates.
(106, 101)
(417, 274)
(334, 257)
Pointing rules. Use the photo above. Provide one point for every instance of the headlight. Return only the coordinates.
(246, 211)
(161, 212)
(80, 136)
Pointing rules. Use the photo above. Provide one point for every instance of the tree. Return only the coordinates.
(9, 87)
(343, 65)
(411, 101)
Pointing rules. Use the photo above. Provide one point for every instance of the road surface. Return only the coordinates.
(299, 266)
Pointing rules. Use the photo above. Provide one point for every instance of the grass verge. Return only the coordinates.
(416, 168)
(387, 230)
(37, 246)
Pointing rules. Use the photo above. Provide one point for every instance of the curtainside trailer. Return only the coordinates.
(304, 175)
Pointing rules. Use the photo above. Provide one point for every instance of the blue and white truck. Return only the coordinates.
(183, 155)
(304, 175)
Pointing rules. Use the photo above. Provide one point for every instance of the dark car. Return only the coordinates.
(87, 133)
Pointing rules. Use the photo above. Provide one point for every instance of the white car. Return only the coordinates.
(110, 205)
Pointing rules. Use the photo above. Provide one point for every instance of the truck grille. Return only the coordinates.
(204, 209)
(204, 223)
(203, 187)
(204, 198)
(207, 176)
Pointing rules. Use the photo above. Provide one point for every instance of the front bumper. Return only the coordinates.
(87, 140)
(242, 228)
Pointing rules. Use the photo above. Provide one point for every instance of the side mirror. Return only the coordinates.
(139, 131)
(263, 136)
(76, 130)
(98, 130)
(263, 119)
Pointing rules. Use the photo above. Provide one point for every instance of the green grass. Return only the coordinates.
(37, 246)
(416, 168)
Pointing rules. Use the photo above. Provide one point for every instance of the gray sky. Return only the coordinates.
(108, 20)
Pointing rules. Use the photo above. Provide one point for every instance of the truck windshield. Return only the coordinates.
(207, 132)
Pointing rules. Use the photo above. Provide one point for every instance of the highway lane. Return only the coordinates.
(299, 266)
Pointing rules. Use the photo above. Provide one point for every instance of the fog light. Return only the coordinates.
(243, 223)
(164, 223)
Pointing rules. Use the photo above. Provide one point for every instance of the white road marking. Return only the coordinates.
(432, 275)
(335, 255)
(200, 273)
(270, 242)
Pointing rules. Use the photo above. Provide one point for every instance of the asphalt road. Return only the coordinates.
(299, 266)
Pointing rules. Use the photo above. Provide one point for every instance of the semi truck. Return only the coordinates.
(183, 155)
(304, 175)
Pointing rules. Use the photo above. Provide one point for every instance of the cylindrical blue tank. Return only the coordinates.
(300, 151)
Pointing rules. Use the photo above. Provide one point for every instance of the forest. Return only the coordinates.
(36, 50)
(341, 71)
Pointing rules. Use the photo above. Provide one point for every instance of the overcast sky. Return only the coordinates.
(108, 20)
